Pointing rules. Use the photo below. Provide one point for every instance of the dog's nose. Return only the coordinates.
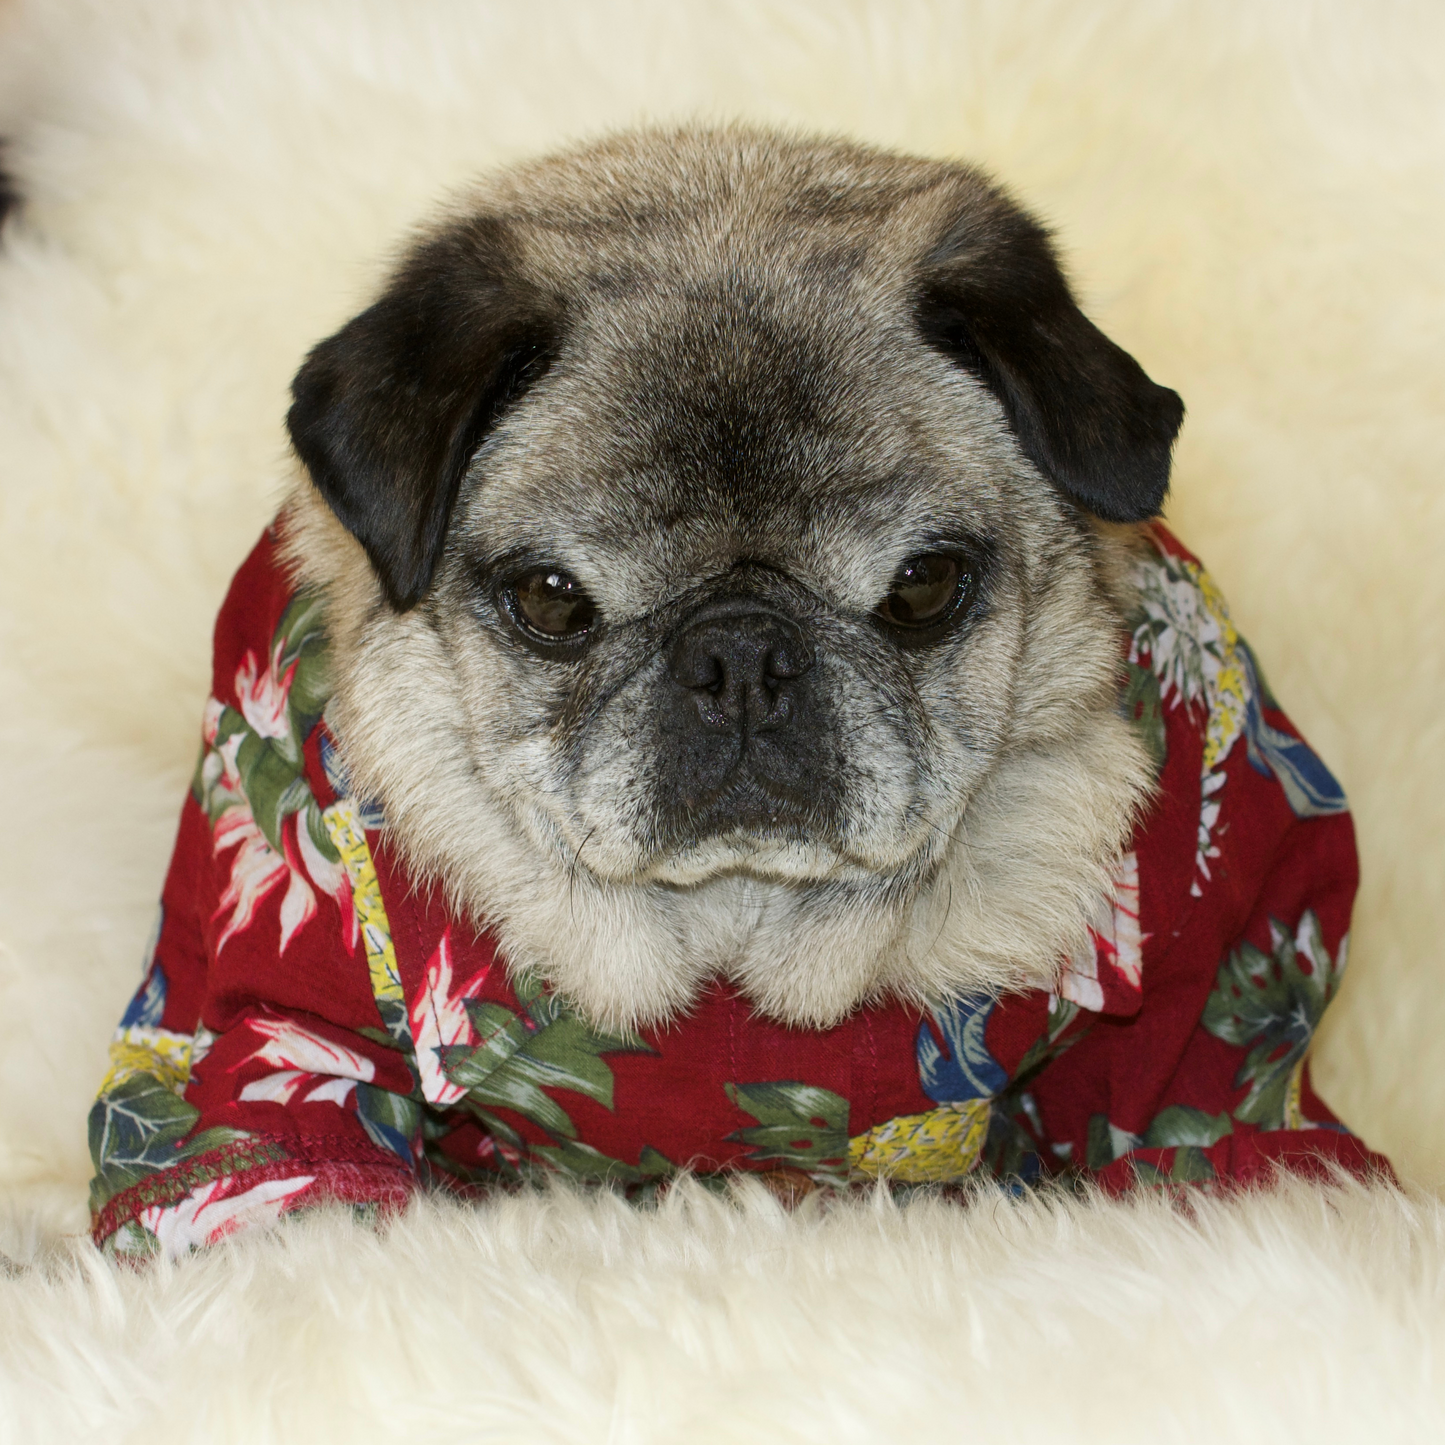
(738, 668)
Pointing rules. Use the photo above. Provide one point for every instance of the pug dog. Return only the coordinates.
(725, 538)
(715, 700)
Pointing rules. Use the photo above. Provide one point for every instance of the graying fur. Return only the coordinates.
(742, 386)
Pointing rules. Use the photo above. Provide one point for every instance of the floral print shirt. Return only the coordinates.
(312, 1025)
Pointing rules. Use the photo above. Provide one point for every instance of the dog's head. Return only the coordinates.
(710, 521)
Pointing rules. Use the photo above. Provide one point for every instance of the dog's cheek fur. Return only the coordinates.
(1036, 846)
(1005, 912)
(403, 730)
(1011, 897)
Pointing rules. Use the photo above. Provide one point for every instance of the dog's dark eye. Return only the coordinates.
(927, 591)
(552, 603)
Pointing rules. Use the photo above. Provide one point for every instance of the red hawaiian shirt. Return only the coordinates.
(313, 1026)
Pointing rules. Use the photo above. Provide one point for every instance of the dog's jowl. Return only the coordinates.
(718, 699)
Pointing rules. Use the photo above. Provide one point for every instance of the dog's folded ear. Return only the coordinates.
(389, 411)
(994, 299)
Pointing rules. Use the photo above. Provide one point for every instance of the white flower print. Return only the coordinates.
(212, 1212)
(290, 1045)
(255, 870)
(1116, 944)
(263, 694)
(1184, 632)
(439, 1018)
(309, 1067)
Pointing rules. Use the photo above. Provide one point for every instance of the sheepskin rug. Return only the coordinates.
(1252, 201)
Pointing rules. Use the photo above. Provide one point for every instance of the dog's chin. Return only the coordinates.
(768, 859)
(784, 854)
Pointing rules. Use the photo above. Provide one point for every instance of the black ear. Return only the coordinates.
(1084, 412)
(388, 412)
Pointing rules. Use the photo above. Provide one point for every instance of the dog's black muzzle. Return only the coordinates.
(742, 726)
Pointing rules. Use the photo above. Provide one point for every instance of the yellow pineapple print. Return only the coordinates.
(943, 1144)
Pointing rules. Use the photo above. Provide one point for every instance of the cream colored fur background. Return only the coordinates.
(1252, 201)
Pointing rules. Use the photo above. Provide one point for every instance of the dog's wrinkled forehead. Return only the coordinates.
(727, 418)
(747, 335)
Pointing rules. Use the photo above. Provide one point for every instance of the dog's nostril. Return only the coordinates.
(698, 667)
(789, 658)
(733, 657)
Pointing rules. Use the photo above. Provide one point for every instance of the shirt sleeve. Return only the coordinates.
(1246, 881)
(1209, 1079)
(254, 1073)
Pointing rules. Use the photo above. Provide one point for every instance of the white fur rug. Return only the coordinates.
(1253, 201)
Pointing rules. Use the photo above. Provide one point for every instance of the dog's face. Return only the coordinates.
(709, 525)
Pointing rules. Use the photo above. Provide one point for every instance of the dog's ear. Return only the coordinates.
(388, 412)
(994, 299)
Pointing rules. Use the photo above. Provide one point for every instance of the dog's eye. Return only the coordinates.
(552, 603)
(926, 592)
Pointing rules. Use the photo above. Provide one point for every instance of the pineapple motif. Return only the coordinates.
(932, 1148)
(963, 1078)
(345, 825)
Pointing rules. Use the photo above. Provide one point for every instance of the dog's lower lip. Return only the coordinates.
(740, 781)
(743, 802)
